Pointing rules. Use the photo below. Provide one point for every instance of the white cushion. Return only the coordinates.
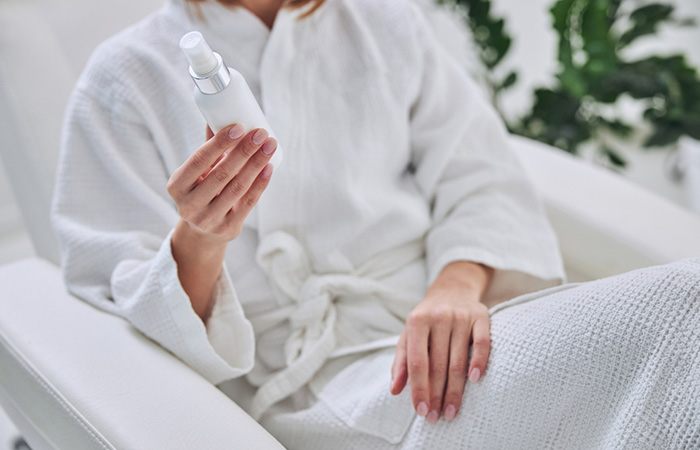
(606, 225)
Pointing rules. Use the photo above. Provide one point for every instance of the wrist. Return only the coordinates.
(468, 278)
(196, 243)
(199, 261)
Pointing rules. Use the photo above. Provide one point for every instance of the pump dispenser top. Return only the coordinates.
(198, 53)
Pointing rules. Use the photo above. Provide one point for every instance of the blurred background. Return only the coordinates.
(612, 81)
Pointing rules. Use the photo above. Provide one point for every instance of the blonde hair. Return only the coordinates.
(292, 4)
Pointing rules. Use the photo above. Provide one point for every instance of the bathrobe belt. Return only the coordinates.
(312, 313)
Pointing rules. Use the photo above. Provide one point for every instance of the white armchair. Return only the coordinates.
(73, 377)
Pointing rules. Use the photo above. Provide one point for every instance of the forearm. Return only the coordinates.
(470, 277)
(199, 261)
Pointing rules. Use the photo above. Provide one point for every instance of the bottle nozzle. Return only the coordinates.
(198, 52)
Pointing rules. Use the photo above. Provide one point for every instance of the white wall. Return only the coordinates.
(82, 24)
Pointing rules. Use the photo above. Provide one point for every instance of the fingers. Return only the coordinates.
(236, 216)
(439, 371)
(481, 348)
(206, 172)
(417, 361)
(457, 371)
(399, 370)
(439, 355)
(185, 177)
(229, 167)
(238, 188)
(253, 194)
(435, 356)
(209, 133)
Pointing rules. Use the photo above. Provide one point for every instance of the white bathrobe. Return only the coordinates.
(394, 166)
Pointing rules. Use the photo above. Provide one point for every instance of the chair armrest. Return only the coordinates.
(606, 224)
(74, 377)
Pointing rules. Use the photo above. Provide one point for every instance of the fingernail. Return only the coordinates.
(267, 171)
(422, 409)
(269, 146)
(235, 132)
(259, 136)
(450, 412)
(433, 417)
(475, 375)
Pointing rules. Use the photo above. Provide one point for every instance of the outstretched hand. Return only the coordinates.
(433, 350)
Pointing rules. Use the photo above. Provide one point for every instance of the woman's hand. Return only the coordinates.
(215, 190)
(217, 187)
(433, 350)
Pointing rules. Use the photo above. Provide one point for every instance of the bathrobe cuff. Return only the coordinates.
(224, 348)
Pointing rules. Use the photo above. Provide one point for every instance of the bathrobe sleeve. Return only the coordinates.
(483, 207)
(114, 218)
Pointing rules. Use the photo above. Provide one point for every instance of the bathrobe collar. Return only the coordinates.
(243, 33)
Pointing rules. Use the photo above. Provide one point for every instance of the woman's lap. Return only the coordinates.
(608, 364)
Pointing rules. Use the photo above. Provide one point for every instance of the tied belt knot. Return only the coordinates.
(312, 312)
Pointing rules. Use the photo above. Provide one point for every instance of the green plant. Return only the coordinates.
(593, 74)
(491, 38)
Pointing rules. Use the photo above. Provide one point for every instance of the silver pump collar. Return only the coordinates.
(216, 80)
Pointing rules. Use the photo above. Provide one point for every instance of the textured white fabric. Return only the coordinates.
(609, 364)
(394, 166)
(312, 315)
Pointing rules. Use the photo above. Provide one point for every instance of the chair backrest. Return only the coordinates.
(35, 82)
(41, 55)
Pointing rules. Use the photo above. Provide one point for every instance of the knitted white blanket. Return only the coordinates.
(609, 364)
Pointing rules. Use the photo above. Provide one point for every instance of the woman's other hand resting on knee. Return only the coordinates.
(433, 350)
(215, 190)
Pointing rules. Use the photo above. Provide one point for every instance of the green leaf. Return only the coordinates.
(646, 21)
(616, 126)
(509, 80)
(574, 83)
(691, 125)
(598, 44)
(614, 157)
(640, 79)
(555, 120)
(666, 134)
(652, 12)
(489, 33)
(612, 12)
(478, 9)
(561, 16)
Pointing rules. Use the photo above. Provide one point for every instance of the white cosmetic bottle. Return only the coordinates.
(221, 93)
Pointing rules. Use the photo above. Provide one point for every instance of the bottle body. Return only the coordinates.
(235, 104)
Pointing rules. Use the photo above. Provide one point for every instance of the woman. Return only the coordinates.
(364, 261)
